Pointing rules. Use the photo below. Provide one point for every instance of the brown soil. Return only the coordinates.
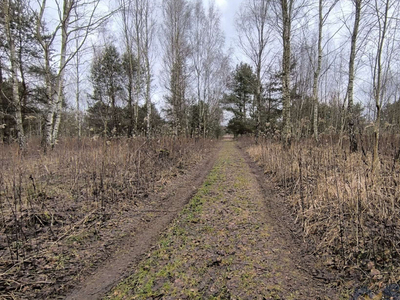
(278, 212)
(234, 240)
(143, 226)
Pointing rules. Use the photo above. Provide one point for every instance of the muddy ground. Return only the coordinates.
(76, 248)
(234, 240)
(142, 229)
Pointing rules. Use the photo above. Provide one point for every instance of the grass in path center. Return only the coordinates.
(217, 248)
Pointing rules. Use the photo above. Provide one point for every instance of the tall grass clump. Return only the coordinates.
(349, 213)
(55, 198)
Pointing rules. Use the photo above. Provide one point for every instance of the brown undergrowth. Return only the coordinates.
(350, 215)
(55, 207)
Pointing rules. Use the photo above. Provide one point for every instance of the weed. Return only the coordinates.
(61, 201)
(348, 212)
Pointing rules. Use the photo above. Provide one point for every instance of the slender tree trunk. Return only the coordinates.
(286, 19)
(258, 97)
(16, 99)
(350, 108)
(78, 102)
(138, 29)
(78, 92)
(146, 55)
(148, 103)
(317, 72)
(126, 10)
(2, 124)
(131, 111)
(49, 114)
(378, 84)
(68, 5)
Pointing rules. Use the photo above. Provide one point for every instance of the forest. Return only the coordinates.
(103, 104)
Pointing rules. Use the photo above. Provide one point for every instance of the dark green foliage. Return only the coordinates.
(240, 127)
(99, 123)
(107, 80)
(242, 89)
(391, 115)
(240, 98)
(27, 56)
(106, 75)
(212, 128)
(272, 104)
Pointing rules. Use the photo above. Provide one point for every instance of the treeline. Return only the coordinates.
(144, 67)
(316, 67)
(73, 73)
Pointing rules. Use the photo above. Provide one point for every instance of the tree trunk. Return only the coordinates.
(317, 72)
(49, 114)
(148, 106)
(138, 29)
(378, 85)
(350, 108)
(258, 98)
(286, 19)
(146, 54)
(16, 100)
(131, 112)
(2, 124)
(68, 5)
(78, 94)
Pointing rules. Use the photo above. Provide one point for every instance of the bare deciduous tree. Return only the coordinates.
(138, 31)
(16, 99)
(207, 60)
(286, 12)
(350, 87)
(88, 22)
(175, 30)
(254, 32)
(383, 11)
(317, 71)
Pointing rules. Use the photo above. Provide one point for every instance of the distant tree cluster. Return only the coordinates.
(307, 62)
(53, 82)
(309, 68)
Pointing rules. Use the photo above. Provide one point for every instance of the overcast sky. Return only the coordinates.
(228, 12)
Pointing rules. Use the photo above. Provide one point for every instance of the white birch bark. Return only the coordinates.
(350, 87)
(16, 100)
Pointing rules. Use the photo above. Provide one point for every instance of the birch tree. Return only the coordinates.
(284, 16)
(286, 11)
(287, 14)
(254, 33)
(384, 11)
(175, 30)
(208, 61)
(147, 48)
(64, 31)
(8, 7)
(317, 71)
(350, 86)
(138, 32)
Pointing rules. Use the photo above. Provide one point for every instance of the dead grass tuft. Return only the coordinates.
(52, 207)
(350, 214)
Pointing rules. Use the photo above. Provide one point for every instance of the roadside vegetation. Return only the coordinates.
(101, 104)
(225, 244)
(349, 213)
(60, 212)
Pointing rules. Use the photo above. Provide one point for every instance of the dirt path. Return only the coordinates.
(230, 242)
(161, 209)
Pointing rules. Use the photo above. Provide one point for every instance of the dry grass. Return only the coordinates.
(46, 199)
(350, 214)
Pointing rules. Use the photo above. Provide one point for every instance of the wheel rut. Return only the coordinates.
(133, 246)
(230, 242)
